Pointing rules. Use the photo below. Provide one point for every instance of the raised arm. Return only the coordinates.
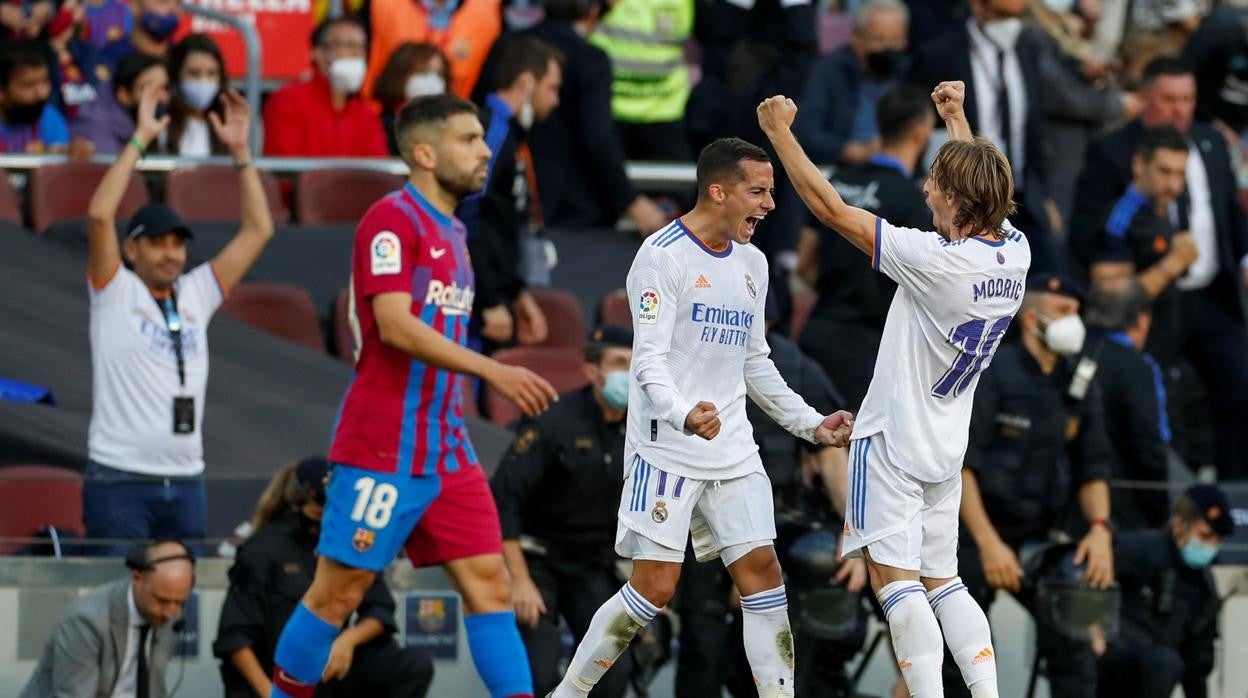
(103, 252)
(950, 98)
(232, 263)
(775, 116)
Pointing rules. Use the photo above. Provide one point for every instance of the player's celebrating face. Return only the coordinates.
(970, 189)
(736, 178)
(442, 135)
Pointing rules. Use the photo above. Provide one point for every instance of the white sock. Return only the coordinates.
(769, 641)
(916, 637)
(613, 627)
(968, 635)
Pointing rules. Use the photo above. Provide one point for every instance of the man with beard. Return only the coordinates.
(28, 123)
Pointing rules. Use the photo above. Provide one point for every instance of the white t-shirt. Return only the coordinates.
(196, 140)
(135, 373)
(954, 302)
(700, 336)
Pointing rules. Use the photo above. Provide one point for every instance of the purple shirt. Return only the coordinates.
(105, 123)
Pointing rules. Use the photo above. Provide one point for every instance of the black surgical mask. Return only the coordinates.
(24, 113)
(887, 63)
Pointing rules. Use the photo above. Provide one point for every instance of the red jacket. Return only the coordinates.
(300, 121)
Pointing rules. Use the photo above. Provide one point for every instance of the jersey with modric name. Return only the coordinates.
(700, 336)
(954, 302)
(402, 415)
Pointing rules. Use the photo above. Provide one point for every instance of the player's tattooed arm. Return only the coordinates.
(950, 98)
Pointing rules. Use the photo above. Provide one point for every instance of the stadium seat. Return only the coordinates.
(10, 202)
(38, 495)
(212, 193)
(324, 197)
(470, 399)
(344, 343)
(803, 303)
(63, 191)
(282, 310)
(565, 319)
(559, 365)
(615, 309)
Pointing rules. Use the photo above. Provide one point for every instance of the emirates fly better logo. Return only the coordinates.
(648, 308)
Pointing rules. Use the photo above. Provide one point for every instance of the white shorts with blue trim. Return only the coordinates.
(659, 512)
(903, 522)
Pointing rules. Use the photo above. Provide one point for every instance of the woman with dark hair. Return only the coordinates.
(413, 70)
(197, 76)
(106, 124)
(271, 572)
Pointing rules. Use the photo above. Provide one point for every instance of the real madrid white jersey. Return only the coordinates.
(954, 302)
(699, 335)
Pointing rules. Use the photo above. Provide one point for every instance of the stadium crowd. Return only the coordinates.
(1124, 122)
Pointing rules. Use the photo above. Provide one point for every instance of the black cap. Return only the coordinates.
(612, 336)
(154, 220)
(1053, 283)
(1214, 508)
(311, 473)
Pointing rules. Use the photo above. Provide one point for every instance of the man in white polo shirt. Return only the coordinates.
(149, 343)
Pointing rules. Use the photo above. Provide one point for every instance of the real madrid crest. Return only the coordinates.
(659, 513)
(749, 286)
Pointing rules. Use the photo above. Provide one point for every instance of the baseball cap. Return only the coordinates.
(612, 336)
(311, 472)
(1214, 508)
(1055, 283)
(154, 220)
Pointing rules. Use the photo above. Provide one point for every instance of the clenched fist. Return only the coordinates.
(776, 114)
(949, 98)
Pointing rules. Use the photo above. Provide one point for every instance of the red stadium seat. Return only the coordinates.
(10, 202)
(282, 310)
(38, 495)
(561, 366)
(803, 303)
(63, 191)
(327, 197)
(212, 193)
(565, 319)
(615, 309)
(344, 342)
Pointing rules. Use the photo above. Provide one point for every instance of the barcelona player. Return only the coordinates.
(405, 475)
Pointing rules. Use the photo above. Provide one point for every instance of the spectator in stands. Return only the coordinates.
(853, 300)
(79, 73)
(272, 570)
(414, 70)
(149, 341)
(1216, 338)
(151, 28)
(837, 123)
(106, 124)
(197, 73)
(323, 115)
(645, 40)
(107, 21)
(1133, 392)
(505, 222)
(463, 30)
(29, 123)
(117, 639)
(25, 20)
(577, 152)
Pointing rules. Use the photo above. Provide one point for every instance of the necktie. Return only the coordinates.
(1003, 105)
(141, 684)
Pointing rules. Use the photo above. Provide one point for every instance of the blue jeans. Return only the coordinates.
(117, 504)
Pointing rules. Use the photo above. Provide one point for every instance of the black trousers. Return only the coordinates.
(665, 141)
(573, 592)
(1217, 347)
(381, 669)
(1137, 668)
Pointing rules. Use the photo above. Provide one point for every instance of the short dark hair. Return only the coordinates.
(1116, 305)
(900, 110)
(425, 111)
(20, 54)
(318, 34)
(1165, 66)
(523, 54)
(720, 161)
(131, 67)
(1160, 138)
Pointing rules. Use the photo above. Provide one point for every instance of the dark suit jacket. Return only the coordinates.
(84, 654)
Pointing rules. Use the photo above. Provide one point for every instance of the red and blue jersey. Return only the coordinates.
(401, 415)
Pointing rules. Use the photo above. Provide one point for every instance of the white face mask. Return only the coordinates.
(199, 94)
(347, 74)
(1064, 336)
(527, 116)
(1061, 7)
(1003, 32)
(424, 85)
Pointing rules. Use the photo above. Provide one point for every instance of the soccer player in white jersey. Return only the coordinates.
(958, 289)
(692, 467)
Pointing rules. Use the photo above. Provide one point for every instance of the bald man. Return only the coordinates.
(94, 651)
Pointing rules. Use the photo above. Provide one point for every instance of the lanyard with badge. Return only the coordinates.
(183, 405)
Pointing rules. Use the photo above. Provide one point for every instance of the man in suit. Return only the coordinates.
(1215, 338)
(116, 640)
(1000, 64)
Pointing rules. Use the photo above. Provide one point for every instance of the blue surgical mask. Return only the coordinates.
(159, 27)
(199, 94)
(615, 389)
(1198, 554)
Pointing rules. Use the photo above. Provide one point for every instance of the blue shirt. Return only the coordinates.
(1158, 382)
(49, 131)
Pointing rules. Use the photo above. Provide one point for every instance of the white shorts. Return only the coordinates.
(901, 521)
(659, 512)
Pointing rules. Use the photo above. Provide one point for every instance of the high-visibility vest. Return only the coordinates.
(646, 42)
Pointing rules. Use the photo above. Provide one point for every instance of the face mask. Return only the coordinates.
(24, 113)
(1064, 336)
(527, 116)
(424, 85)
(159, 27)
(615, 389)
(199, 94)
(309, 525)
(63, 20)
(1061, 7)
(1197, 554)
(886, 63)
(347, 74)
(1003, 32)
